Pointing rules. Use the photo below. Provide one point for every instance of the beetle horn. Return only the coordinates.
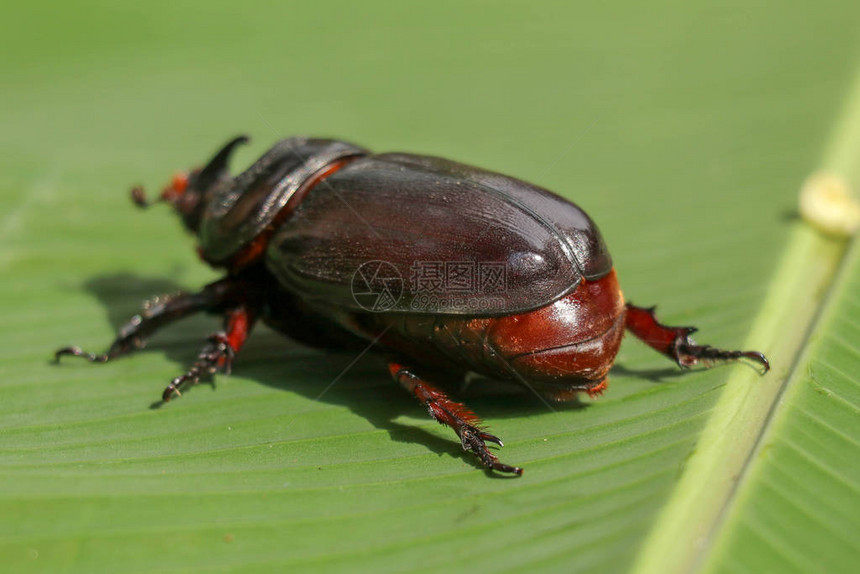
(207, 176)
(218, 164)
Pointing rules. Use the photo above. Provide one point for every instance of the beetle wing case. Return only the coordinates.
(409, 210)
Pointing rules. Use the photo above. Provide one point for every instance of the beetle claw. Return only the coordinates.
(759, 358)
(506, 468)
(689, 354)
(217, 354)
(491, 438)
(473, 440)
(676, 342)
(169, 392)
(75, 351)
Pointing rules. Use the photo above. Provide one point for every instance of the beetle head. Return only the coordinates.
(188, 192)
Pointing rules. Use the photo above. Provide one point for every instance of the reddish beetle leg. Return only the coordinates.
(453, 414)
(676, 343)
(218, 353)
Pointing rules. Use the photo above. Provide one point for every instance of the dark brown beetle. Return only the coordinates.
(443, 267)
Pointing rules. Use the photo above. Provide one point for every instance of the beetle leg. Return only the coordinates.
(219, 352)
(157, 313)
(456, 415)
(676, 343)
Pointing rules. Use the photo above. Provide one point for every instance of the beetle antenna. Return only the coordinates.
(138, 196)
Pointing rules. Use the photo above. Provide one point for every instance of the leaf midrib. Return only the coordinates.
(684, 533)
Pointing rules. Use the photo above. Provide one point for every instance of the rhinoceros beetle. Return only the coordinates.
(444, 268)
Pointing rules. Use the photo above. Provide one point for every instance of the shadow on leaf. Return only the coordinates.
(363, 386)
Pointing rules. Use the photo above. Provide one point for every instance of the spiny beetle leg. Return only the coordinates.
(76, 351)
(216, 353)
(219, 352)
(676, 342)
(158, 312)
(456, 415)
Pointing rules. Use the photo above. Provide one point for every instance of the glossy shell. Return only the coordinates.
(418, 213)
(239, 209)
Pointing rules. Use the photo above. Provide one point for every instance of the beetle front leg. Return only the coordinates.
(132, 336)
(456, 415)
(219, 352)
(676, 343)
(157, 313)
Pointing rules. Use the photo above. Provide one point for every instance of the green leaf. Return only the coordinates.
(685, 130)
(796, 509)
